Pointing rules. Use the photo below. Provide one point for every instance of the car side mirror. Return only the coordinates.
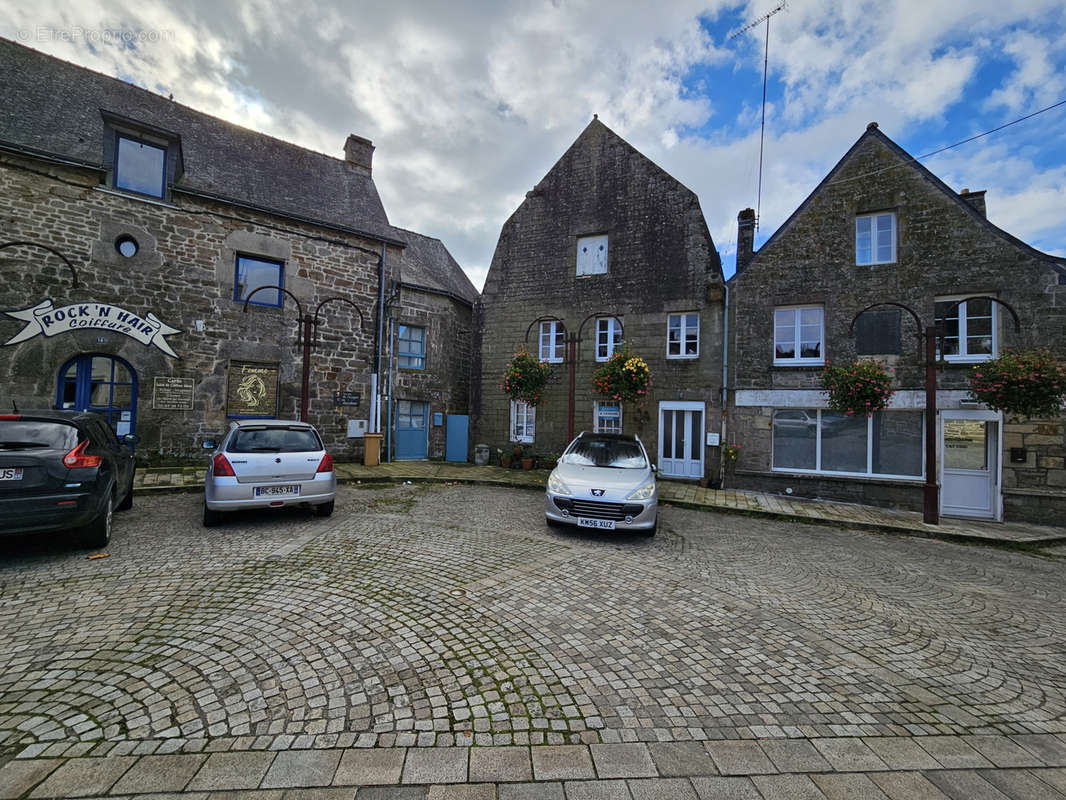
(654, 468)
(131, 439)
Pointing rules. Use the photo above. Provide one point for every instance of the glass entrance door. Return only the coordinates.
(681, 439)
(969, 466)
(103, 384)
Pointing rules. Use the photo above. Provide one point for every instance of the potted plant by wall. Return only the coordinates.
(505, 456)
(731, 454)
(1028, 383)
(623, 377)
(525, 377)
(527, 457)
(547, 460)
(858, 389)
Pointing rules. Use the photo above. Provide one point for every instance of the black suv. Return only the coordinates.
(62, 470)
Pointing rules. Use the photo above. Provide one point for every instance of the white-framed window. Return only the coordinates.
(523, 421)
(683, 336)
(592, 255)
(608, 337)
(887, 444)
(552, 341)
(875, 239)
(607, 417)
(799, 335)
(967, 331)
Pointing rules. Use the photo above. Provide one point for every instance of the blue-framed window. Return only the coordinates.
(140, 167)
(411, 347)
(253, 272)
(101, 383)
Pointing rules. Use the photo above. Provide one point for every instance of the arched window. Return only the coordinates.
(101, 383)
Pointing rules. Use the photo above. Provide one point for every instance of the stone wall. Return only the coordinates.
(184, 273)
(944, 247)
(661, 259)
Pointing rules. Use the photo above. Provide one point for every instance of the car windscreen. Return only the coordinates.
(27, 434)
(615, 453)
(274, 440)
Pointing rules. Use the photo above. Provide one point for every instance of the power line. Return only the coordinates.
(915, 159)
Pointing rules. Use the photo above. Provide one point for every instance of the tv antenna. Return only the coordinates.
(765, 61)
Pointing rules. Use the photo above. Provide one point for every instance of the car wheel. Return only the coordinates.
(324, 509)
(127, 501)
(650, 532)
(211, 518)
(98, 532)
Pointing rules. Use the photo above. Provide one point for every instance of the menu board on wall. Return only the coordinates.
(172, 394)
(252, 389)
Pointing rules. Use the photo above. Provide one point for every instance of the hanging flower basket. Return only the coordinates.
(525, 378)
(859, 389)
(623, 377)
(1027, 384)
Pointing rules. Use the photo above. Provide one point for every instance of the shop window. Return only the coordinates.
(888, 443)
(411, 347)
(254, 272)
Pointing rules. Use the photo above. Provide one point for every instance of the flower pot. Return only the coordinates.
(505, 462)
(527, 463)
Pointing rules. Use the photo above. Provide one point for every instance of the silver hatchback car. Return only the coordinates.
(266, 464)
(604, 481)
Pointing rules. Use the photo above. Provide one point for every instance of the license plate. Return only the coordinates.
(603, 524)
(273, 491)
(11, 474)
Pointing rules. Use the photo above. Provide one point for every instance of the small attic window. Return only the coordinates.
(140, 166)
(592, 255)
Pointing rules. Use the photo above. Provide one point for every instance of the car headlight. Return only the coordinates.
(556, 486)
(643, 493)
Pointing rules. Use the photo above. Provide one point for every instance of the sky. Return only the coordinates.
(471, 102)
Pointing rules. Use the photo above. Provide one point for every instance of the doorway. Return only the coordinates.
(681, 439)
(969, 464)
(100, 383)
(412, 424)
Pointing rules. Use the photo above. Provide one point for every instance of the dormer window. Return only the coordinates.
(140, 166)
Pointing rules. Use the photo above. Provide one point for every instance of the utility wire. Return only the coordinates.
(915, 159)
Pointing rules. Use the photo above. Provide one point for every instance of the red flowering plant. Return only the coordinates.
(623, 377)
(1027, 384)
(858, 389)
(525, 377)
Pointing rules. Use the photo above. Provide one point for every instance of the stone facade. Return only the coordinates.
(229, 192)
(943, 248)
(660, 261)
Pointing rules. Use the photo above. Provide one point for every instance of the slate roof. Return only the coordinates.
(54, 108)
(427, 264)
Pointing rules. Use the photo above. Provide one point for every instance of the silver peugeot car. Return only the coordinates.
(269, 463)
(606, 482)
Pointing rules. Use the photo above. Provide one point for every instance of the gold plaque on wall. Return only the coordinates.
(252, 389)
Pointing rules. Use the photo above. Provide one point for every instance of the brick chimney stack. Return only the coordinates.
(359, 153)
(976, 200)
(745, 237)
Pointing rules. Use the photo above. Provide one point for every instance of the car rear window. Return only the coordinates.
(616, 453)
(28, 434)
(274, 440)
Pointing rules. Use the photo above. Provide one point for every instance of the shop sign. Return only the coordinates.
(252, 389)
(173, 394)
(44, 318)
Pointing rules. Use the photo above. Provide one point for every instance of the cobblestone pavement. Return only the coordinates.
(394, 642)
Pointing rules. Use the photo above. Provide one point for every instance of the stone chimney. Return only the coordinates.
(976, 200)
(359, 153)
(745, 237)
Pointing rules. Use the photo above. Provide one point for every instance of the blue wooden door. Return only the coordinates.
(100, 383)
(412, 441)
(456, 449)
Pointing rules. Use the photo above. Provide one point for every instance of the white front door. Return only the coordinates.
(681, 439)
(969, 464)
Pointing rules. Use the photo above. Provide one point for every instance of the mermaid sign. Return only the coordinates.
(44, 318)
(252, 389)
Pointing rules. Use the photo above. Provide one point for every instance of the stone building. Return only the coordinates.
(139, 241)
(606, 247)
(881, 228)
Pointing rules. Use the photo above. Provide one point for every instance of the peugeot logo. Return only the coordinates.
(597, 492)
